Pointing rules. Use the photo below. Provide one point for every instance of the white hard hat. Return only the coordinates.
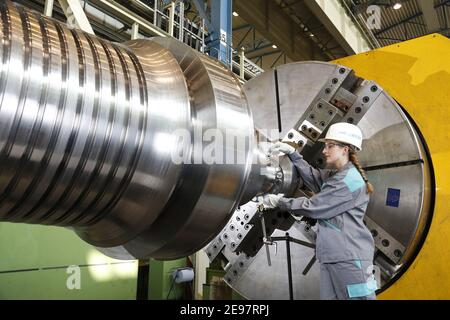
(346, 133)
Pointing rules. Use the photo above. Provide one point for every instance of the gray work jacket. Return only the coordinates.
(339, 206)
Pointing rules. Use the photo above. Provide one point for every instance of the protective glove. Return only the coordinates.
(279, 146)
(270, 201)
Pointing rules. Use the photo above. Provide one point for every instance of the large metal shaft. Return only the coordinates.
(87, 137)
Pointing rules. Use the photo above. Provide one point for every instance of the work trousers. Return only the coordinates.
(347, 280)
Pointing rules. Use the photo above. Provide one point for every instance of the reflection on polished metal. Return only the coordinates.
(87, 134)
(312, 96)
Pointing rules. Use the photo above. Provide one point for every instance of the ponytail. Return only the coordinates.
(354, 159)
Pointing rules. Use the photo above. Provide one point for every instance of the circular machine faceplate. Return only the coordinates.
(312, 96)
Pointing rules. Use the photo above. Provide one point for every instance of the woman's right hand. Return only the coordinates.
(279, 146)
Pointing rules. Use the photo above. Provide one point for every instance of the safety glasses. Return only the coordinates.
(331, 145)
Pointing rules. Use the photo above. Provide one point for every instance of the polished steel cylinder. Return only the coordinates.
(88, 132)
(269, 174)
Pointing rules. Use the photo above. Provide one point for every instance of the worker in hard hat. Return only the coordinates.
(344, 245)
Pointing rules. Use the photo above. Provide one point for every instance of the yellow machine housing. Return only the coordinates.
(416, 73)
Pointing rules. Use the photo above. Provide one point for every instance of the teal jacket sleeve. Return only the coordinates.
(335, 198)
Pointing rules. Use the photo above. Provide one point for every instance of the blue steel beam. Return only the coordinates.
(259, 47)
(221, 38)
(201, 8)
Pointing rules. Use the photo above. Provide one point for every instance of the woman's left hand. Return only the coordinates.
(270, 201)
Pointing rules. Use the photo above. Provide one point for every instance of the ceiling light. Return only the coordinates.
(274, 46)
(235, 14)
(311, 35)
(397, 5)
